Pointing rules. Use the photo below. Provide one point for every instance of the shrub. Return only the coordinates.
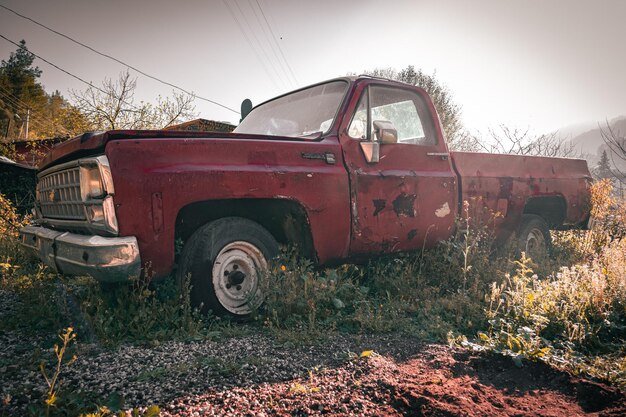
(138, 312)
(571, 318)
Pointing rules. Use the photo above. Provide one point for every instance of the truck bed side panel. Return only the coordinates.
(505, 183)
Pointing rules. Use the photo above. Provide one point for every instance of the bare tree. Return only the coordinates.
(113, 106)
(615, 140)
(449, 112)
(523, 142)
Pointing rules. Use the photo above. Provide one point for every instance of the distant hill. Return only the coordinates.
(590, 141)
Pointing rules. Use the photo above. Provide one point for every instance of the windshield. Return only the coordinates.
(302, 113)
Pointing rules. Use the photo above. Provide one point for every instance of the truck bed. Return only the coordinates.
(512, 185)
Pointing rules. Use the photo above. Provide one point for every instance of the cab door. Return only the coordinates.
(407, 199)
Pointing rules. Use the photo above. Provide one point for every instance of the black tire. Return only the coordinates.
(534, 237)
(240, 243)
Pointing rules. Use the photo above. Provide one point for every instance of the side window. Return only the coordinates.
(402, 108)
(405, 109)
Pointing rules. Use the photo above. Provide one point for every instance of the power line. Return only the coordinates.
(55, 66)
(277, 44)
(261, 48)
(21, 105)
(270, 43)
(38, 122)
(117, 60)
(250, 43)
(13, 99)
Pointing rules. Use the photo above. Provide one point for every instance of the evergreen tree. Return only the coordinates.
(603, 169)
(19, 91)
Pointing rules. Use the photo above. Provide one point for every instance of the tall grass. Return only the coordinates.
(576, 317)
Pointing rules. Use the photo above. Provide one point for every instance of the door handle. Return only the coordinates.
(443, 155)
(328, 157)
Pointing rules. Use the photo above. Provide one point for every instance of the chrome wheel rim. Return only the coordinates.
(535, 242)
(236, 277)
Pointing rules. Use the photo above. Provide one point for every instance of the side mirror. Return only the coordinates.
(246, 107)
(385, 132)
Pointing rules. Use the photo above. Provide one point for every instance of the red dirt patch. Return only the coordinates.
(440, 381)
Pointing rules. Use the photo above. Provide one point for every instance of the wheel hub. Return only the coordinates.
(236, 277)
(535, 242)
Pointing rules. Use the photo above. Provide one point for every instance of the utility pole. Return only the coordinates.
(6, 134)
(27, 119)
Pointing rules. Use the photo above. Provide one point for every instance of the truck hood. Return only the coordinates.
(94, 142)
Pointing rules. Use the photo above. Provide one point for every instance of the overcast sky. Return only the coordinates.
(536, 64)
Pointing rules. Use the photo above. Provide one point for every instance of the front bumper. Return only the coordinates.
(107, 259)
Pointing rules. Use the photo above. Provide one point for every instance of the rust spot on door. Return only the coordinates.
(403, 205)
(379, 206)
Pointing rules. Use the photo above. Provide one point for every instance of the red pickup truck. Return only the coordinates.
(345, 169)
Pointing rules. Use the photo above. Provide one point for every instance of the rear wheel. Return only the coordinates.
(224, 261)
(534, 237)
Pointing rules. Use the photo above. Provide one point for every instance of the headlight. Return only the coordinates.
(91, 183)
(103, 214)
(95, 214)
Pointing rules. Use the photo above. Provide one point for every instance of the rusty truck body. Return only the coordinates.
(345, 169)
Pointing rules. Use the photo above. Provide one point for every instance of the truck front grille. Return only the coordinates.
(59, 195)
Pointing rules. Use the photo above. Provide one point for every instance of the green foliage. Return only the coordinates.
(576, 317)
(53, 382)
(135, 312)
(569, 310)
(139, 312)
(570, 318)
(40, 307)
(10, 221)
(427, 293)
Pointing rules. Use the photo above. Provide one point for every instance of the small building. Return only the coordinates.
(17, 183)
(203, 125)
(31, 152)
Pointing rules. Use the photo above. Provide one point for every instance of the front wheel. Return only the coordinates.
(534, 237)
(225, 261)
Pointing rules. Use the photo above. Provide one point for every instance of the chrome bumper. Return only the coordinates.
(107, 259)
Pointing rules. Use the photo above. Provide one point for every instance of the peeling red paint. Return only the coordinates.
(404, 205)
(379, 205)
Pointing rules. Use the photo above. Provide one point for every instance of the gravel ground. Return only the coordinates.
(178, 370)
(256, 375)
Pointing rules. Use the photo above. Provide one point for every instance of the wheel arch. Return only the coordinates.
(552, 208)
(285, 219)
